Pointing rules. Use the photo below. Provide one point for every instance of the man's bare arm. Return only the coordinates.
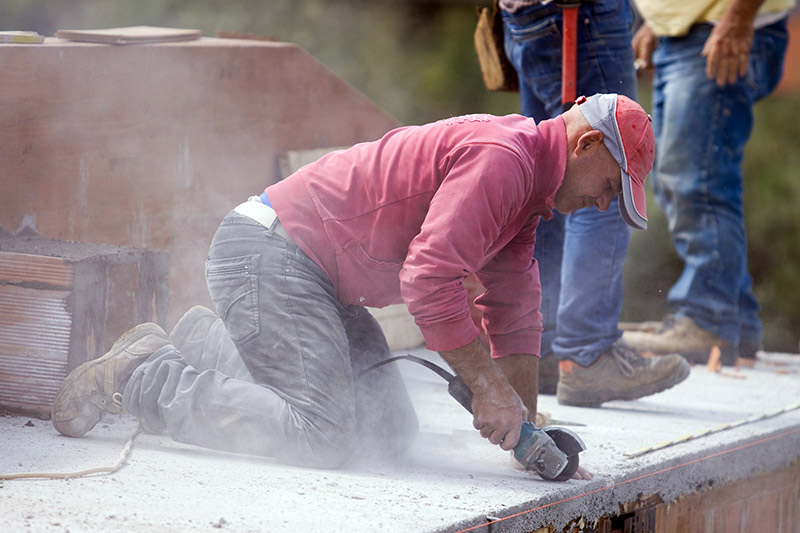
(522, 372)
(497, 409)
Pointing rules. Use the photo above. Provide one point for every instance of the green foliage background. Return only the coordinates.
(416, 60)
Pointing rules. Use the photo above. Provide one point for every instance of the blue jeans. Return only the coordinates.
(302, 397)
(580, 255)
(701, 131)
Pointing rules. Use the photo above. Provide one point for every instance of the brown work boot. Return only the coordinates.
(618, 374)
(748, 352)
(96, 386)
(682, 336)
(189, 334)
(650, 326)
(548, 373)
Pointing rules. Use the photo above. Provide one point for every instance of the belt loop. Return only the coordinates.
(278, 229)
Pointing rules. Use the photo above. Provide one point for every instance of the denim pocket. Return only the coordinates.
(766, 59)
(535, 51)
(543, 26)
(233, 286)
(609, 9)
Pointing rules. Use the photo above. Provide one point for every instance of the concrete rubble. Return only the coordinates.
(451, 480)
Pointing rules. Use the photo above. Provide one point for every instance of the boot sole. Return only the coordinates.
(697, 355)
(594, 398)
(79, 373)
(700, 357)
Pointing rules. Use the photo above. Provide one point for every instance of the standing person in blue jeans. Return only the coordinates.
(581, 254)
(713, 59)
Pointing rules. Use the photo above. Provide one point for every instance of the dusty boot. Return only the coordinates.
(682, 336)
(548, 373)
(649, 326)
(618, 374)
(189, 334)
(96, 386)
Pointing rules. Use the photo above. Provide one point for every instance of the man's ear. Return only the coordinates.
(590, 139)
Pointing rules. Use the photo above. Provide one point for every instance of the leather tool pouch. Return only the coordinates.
(498, 73)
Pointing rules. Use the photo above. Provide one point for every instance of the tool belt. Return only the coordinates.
(497, 71)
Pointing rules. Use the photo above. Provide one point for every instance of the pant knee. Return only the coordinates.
(329, 448)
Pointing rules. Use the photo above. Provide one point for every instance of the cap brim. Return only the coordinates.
(633, 202)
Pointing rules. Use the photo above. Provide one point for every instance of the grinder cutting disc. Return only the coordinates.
(569, 443)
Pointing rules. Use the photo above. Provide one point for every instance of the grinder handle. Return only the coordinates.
(459, 390)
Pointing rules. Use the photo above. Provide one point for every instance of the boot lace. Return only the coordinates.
(627, 359)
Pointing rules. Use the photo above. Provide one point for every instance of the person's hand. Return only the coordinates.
(727, 49)
(644, 43)
(497, 409)
(498, 413)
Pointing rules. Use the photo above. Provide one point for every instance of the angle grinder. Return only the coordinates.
(551, 452)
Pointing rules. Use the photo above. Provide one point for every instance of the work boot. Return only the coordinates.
(683, 336)
(96, 386)
(747, 352)
(548, 373)
(649, 326)
(189, 334)
(618, 374)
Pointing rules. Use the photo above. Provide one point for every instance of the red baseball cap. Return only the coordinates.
(628, 135)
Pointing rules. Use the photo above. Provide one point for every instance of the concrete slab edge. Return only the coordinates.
(669, 480)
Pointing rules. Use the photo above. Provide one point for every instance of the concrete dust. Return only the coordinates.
(451, 478)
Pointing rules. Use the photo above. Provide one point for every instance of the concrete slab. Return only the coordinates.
(452, 480)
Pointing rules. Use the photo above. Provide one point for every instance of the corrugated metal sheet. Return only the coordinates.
(35, 329)
(63, 303)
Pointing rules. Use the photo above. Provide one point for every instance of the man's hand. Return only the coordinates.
(644, 43)
(498, 413)
(497, 409)
(727, 49)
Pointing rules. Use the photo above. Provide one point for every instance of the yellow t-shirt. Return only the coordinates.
(675, 17)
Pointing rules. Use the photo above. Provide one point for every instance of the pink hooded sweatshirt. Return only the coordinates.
(408, 217)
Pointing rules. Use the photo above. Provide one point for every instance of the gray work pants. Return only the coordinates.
(302, 397)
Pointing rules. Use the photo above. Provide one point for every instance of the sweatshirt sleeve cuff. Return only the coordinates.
(444, 336)
(520, 342)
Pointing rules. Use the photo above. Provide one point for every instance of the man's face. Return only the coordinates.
(591, 180)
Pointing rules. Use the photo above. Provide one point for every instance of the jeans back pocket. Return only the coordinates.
(233, 286)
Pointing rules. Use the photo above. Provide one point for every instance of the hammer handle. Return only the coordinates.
(569, 55)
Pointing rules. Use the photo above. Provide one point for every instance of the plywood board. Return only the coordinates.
(151, 146)
(130, 35)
